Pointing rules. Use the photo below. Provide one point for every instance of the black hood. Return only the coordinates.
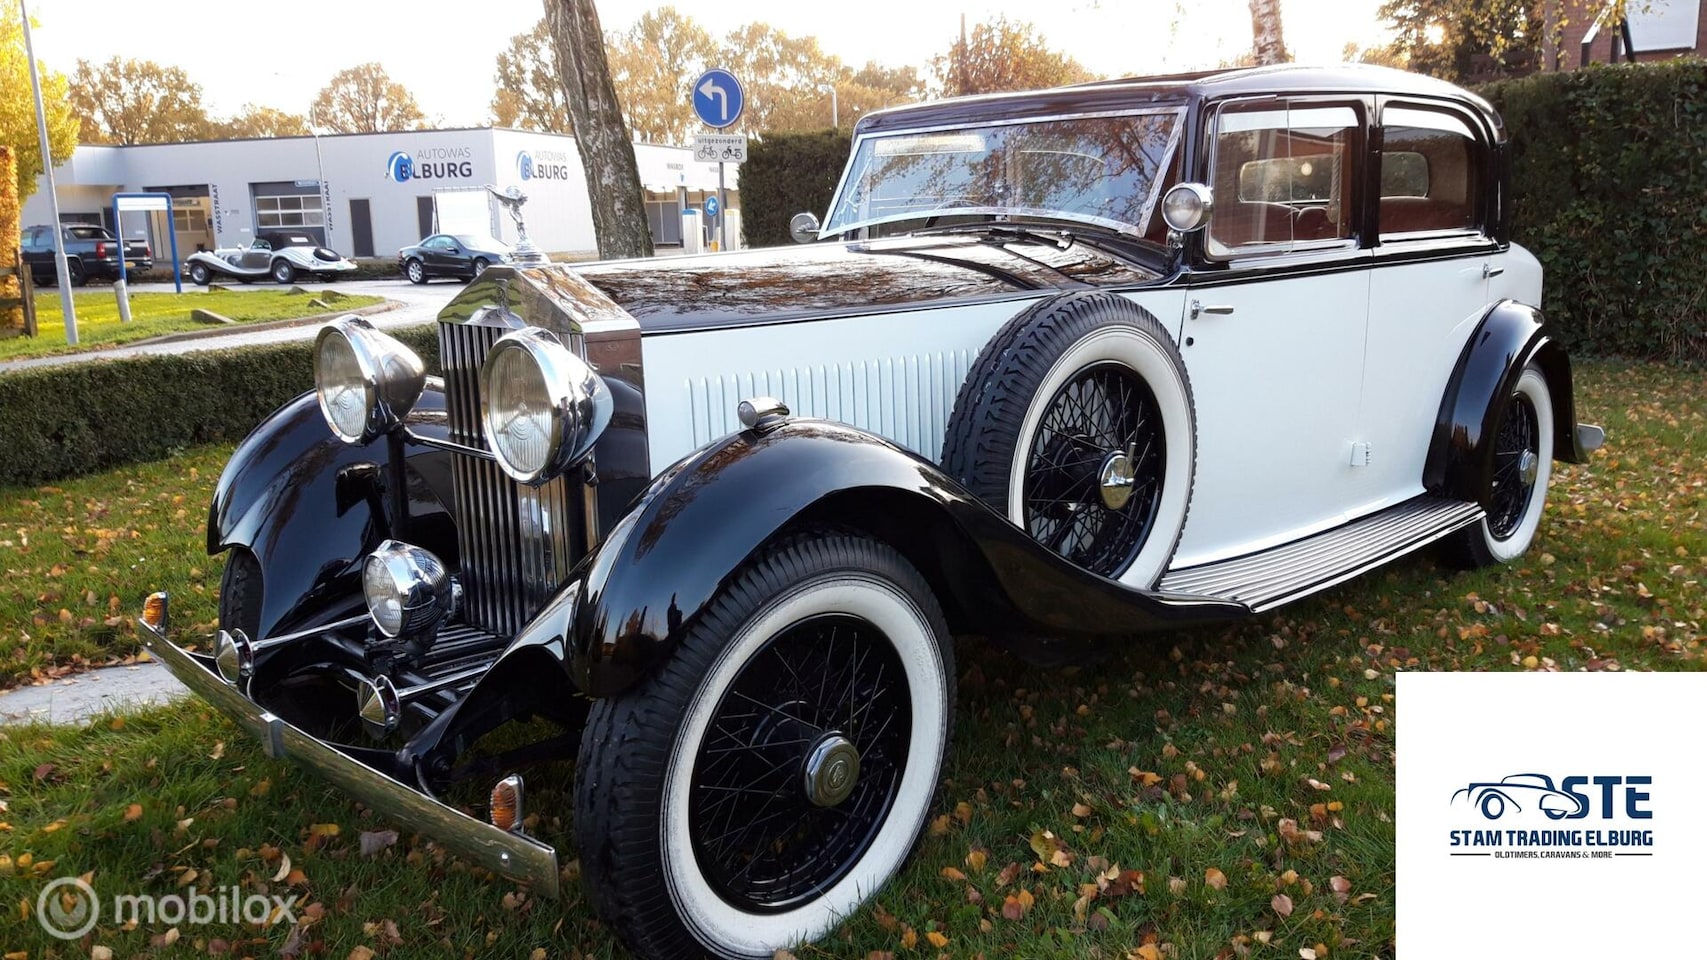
(827, 279)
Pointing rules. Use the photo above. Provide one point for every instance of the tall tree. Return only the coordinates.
(1268, 41)
(778, 72)
(601, 137)
(136, 101)
(18, 112)
(652, 63)
(256, 122)
(1001, 55)
(364, 99)
(529, 95)
(1449, 38)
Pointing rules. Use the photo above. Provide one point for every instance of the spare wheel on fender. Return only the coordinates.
(1077, 423)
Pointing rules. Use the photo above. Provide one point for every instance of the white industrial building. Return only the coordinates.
(366, 195)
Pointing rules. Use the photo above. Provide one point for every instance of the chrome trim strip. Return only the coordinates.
(450, 445)
(482, 844)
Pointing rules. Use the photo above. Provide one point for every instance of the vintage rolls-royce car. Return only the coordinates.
(1062, 368)
(283, 256)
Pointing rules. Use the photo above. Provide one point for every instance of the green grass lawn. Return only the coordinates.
(1205, 794)
(152, 314)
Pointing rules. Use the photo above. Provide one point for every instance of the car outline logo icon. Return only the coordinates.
(399, 168)
(1493, 798)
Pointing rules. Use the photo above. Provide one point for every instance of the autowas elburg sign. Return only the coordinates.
(430, 163)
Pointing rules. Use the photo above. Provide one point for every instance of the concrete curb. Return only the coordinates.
(92, 693)
(240, 328)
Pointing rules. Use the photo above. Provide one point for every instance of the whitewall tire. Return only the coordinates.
(1522, 470)
(779, 768)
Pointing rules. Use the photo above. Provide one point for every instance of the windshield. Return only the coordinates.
(1101, 170)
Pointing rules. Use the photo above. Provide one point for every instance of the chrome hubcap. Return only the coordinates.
(1528, 467)
(832, 769)
(1114, 479)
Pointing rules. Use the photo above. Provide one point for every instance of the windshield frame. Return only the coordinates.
(1178, 111)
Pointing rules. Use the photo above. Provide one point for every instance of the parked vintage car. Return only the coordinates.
(91, 252)
(461, 255)
(283, 256)
(1067, 367)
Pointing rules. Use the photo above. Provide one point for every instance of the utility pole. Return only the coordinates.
(960, 58)
(62, 271)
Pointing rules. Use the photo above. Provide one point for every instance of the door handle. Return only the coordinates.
(1198, 309)
(1489, 270)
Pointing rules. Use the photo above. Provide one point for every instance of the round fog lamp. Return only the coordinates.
(407, 589)
(1186, 206)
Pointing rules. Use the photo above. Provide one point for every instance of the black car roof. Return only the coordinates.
(1183, 88)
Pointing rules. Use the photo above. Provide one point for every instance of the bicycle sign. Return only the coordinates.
(719, 148)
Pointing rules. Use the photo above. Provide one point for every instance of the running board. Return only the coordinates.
(1265, 580)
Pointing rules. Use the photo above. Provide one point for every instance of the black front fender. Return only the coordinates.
(1510, 336)
(280, 496)
(699, 521)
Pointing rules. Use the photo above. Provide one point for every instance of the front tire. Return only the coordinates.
(283, 272)
(415, 271)
(240, 593)
(480, 265)
(200, 275)
(1522, 469)
(778, 768)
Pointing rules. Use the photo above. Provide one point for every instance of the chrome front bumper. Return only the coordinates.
(482, 844)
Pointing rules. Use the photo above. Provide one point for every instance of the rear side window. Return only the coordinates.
(1431, 174)
(87, 233)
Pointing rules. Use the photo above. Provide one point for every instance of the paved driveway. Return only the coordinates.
(420, 304)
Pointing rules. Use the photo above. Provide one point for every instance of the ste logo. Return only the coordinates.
(1523, 795)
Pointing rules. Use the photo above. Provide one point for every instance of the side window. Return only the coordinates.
(1430, 174)
(1283, 177)
(29, 238)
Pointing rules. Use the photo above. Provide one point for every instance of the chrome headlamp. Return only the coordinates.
(366, 382)
(407, 589)
(543, 407)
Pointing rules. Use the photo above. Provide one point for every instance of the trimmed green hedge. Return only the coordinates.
(1610, 186)
(787, 173)
(74, 418)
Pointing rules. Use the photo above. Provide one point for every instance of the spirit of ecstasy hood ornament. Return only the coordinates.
(526, 254)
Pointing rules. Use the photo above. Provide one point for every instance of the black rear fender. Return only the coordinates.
(1510, 336)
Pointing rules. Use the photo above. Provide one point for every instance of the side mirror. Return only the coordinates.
(803, 227)
(1187, 206)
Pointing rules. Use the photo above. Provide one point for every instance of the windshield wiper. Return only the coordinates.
(1061, 237)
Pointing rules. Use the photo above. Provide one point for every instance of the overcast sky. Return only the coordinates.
(242, 52)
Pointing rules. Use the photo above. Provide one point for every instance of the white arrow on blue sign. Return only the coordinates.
(717, 98)
(712, 207)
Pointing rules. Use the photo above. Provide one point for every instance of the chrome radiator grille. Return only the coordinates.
(517, 542)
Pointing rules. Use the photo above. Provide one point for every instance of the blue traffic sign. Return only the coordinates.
(717, 98)
(711, 206)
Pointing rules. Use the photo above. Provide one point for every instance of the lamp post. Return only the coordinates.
(835, 112)
(62, 270)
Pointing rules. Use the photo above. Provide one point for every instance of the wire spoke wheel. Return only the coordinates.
(800, 763)
(1093, 480)
(1517, 451)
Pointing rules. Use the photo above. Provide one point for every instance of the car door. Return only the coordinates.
(1273, 335)
(436, 256)
(259, 256)
(1429, 283)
